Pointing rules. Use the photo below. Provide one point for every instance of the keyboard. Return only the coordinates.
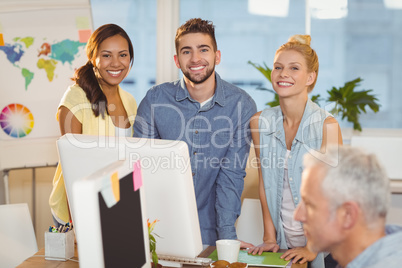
(193, 261)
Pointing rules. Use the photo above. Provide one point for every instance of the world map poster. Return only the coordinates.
(39, 52)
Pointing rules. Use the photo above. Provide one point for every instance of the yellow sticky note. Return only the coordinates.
(83, 35)
(1, 40)
(82, 22)
(109, 188)
(115, 186)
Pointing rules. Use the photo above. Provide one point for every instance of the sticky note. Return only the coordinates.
(137, 176)
(83, 35)
(114, 180)
(111, 189)
(82, 23)
(1, 40)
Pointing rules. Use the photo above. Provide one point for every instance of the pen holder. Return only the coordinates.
(59, 246)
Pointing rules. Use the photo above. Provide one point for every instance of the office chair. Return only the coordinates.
(249, 225)
(17, 236)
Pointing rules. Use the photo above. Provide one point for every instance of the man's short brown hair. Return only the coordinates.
(196, 25)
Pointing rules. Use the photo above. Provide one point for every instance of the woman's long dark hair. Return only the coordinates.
(85, 76)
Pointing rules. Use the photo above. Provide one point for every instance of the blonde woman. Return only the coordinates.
(281, 136)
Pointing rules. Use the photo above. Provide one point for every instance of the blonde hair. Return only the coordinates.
(301, 44)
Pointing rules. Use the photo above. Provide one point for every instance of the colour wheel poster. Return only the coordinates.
(39, 52)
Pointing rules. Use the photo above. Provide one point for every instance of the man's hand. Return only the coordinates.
(268, 246)
(300, 255)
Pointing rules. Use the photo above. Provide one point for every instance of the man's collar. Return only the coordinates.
(219, 96)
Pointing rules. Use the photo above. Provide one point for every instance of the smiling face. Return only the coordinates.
(290, 76)
(321, 227)
(196, 57)
(113, 61)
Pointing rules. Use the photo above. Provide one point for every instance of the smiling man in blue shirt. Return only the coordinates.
(212, 116)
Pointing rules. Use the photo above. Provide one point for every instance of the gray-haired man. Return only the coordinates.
(345, 200)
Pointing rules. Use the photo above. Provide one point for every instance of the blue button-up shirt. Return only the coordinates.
(218, 138)
(386, 252)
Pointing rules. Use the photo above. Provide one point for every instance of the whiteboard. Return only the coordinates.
(42, 42)
(28, 153)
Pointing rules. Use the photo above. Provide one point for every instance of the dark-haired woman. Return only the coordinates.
(95, 104)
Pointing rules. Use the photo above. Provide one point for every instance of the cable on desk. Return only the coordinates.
(55, 258)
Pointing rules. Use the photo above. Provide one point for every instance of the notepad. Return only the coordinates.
(270, 259)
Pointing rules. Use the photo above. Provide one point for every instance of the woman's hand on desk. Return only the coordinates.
(245, 245)
(300, 255)
(267, 246)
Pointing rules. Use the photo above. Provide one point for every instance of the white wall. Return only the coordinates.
(2, 197)
(395, 212)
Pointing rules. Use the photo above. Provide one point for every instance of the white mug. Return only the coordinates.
(228, 249)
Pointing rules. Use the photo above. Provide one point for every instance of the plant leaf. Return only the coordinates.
(266, 71)
(275, 102)
(351, 103)
(155, 259)
(316, 98)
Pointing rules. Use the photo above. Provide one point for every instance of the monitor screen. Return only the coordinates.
(167, 182)
(110, 220)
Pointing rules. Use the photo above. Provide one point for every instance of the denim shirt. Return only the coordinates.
(218, 138)
(385, 252)
(272, 157)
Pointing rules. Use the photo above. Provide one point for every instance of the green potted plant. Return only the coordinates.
(152, 243)
(349, 103)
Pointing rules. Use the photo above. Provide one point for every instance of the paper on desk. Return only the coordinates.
(270, 259)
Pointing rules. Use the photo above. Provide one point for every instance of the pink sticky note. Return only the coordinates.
(137, 177)
(84, 35)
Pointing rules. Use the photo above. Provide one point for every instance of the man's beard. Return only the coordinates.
(199, 79)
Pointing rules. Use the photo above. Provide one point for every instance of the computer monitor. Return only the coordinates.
(109, 219)
(167, 179)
